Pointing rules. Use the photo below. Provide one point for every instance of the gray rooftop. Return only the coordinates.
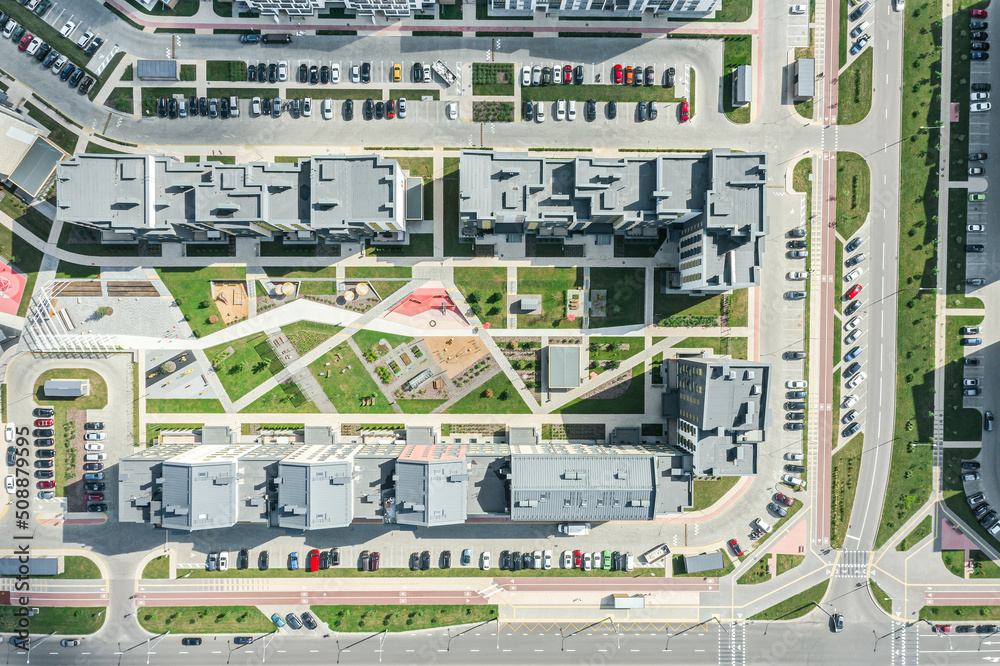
(66, 388)
(316, 488)
(37, 165)
(37, 566)
(199, 495)
(586, 487)
(156, 69)
(805, 77)
(742, 85)
(431, 485)
(706, 562)
(564, 366)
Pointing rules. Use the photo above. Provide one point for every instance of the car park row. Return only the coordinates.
(52, 60)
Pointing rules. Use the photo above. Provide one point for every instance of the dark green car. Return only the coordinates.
(10, 456)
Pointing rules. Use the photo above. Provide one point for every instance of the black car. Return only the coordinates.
(172, 109)
(797, 244)
(97, 508)
(263, 560)
(975, 247)
(379, 110)
(49, 59)
(243, 640)
(981, 87)
(203, 106)
(446, 559)
(975, 46)
(349, 109)
(265, 106)
(335, 557)
(981, 510)
(161, 107)
(642, 110)
(43, 412)
(578, 75)
(504, 562)
(272, 73)
(324, 74)
(590, 110)
(670, 77)
(243, 559)
(987, 629)
(965, 629)
(978, 25)
(190, 641)
(93, 467)
(94, 425)
(529, 110)
(67, 71)
(979, 35)
(44, 474)
(93, 487)
(795, 468)
(303, 73)
(261, 72)
(616, 561)
(369, 109)
(852, 308)
(971, 360)
(516, 560)
(414, 562)
(251, 73)
(42, 52)
(611, 110)
(970, 464)
(988, 519)
(792, 406)
(192, 107)
(417, 73)
(650, 76)
(45, 464)
(366, 72)
(94, 45)
(45, 441)
(224, 103)
(425, 560)
(977, 157)
(42, 432)
(526, 560)
(293, 621)
(307, 619)
(324, 560)
(313, 75)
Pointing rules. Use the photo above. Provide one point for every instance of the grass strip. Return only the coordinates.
(846, 466)
(401, 618)
(795, 606)
(918, 534)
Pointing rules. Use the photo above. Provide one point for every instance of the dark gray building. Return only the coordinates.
(704, 562)
(431, 482)
(315, 485)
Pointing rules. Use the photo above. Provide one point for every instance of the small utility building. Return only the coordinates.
(804, 86)
(706, 562)
(564, 366)
(742, 85)
(156, 70)
(66, 388)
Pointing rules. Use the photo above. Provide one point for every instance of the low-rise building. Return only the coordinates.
(66, 388)
(387, 8)
(331, 198)
(680, 9)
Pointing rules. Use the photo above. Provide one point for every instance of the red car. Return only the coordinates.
(685, 111)
(23, 44)
(568, 74)
(390, 109)
(313, 560)
(946, 628)
(617, 73)
(977, 13)
(855, 290)
(373, 562)
(735, 545)
(96, 497)
(45, 484)
(784, 499)
(577, 559)
(43, 423)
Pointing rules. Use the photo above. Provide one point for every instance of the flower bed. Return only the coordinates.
(493, 112)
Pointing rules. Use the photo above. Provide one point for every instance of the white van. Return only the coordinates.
(234, 107)
(629, 562)
(860, 30)
(793, 480)
(95, 457)
(574, 529)
(764, 527)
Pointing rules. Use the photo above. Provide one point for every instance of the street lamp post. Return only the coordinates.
(32, 646)
(666, 647)
(985, 637)
(150, 647)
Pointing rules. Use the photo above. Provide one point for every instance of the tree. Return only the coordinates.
(489, 393)
(504, 394)
(104, 311)
(474, 297)
(168, 367)
(214, 319)
(205, 304)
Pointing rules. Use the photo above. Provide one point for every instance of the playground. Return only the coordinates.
(231, 299)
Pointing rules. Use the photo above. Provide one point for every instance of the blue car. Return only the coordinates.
(853, 354)
(278, 622)
(67, 71)
(249, 39)
(293, 561)
(860, 44)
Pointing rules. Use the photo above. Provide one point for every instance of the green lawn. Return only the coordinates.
(706, 493)
(920, 532)
(366, 339)
(67, 270)
(735, 347)
(795, 606)
(417, 406)
(102, 150)
(183, 405)
(192, 286)
(908, 489)
(306, 335)
(476, 402)
(346, 388)
(150, 95)
(284, 398)
(78, 567)
(684, 310)
(846, 465)
(400, 618)
(737, 51)
(959, 613)
(756, 574)
(225, 70)
(251, 363)
(296, 272)
(398, 272)
(153, 430)
(67, 621)
(24, 257)
(606, 348)
(880, 596)
(26, 216)
(120, 99)
(788, 562)
(626, 295)
(854, 94)
(960, 423)
(632, 401)
(420, 245)
(602, 93)
(490, 283)
(157, 568)
(552, 284)
(204, 620)
(66, 439)
(180, 8)
(424, 168)
(678, 567)
(734, 11)
(853, 192)
(59, 134)
(954, 561)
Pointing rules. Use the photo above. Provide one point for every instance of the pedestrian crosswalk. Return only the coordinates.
(905, 644)
(732, 644)
(853, 564)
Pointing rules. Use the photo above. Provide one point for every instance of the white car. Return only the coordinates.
(850, 401)
(85, 39)
(586, 562)
(797, 9)
(763, 526)
(898, 5)
(547, 559)
(452, 110)
(536, 75)
(327, 109)
(59, 64)
(401, 108)
(526, 75)
(567, 559)
(798, 275)
(571, 113)
(9, 30)
(536, 560)
(540, 112)
(557, 75)
(93, 446)
(797, 384)
(223, 560)
(255, 106)
(8, 432)
(853, 382)
(976, 96)
(307, 106)
(94, 436)
(66, 29)
(853, 275)
(978, 106)
(33, 46)
(853, 323)
(850, 339)
(975, 227)
(355, 74)
(8, 483)
(335, 73)
(560, 109)
(283, 70)
(427, 73)
(485, 560)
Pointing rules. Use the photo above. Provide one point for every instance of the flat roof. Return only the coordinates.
(37, 165)
(564, 366)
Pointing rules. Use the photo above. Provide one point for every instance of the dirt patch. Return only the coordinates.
(455, 354)
(231, 299)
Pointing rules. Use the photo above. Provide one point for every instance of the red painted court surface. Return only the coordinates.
(423, 300)
(11, 288)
